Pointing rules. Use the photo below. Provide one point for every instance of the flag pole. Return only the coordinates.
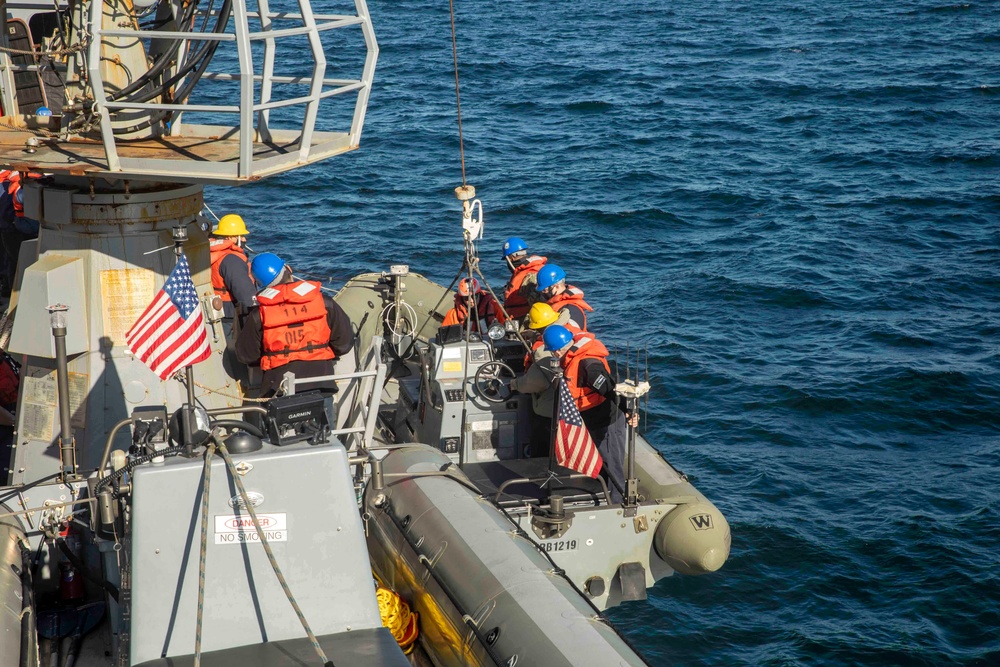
(555, 419)
(179, 234)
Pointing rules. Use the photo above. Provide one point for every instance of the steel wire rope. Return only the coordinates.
(206, 482)
(224, 453)
(458, 96)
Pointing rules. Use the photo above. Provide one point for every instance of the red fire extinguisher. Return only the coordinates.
(70, 579)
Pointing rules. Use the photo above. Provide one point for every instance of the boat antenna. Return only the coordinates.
(645, 409)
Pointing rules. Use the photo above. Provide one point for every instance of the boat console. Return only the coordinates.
(459, 383)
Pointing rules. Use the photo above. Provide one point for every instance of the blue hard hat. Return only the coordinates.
(556, 337)
(43, 111)
(266, 268)
(548, 276)
(512, 245)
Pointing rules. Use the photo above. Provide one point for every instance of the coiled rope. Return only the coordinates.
(397, 617)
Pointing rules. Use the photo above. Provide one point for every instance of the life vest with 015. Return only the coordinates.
(515, 303)
(220, 249)
(293, 317)
(584, 346)
(573, 296)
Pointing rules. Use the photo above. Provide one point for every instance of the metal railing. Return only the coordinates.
(363, 409)
(250, 147)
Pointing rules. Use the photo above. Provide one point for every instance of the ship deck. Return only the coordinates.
(204, 154)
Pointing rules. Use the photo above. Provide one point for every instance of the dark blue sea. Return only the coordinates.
(794, 206)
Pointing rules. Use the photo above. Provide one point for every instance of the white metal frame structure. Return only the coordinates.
(244, 151)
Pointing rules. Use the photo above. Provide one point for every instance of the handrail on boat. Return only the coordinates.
(533, 480)
(363, 410)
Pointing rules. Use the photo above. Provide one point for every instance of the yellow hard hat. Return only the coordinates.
(541, 315)
(231, 225)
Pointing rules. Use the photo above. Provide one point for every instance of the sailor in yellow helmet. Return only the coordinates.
(539, 370)
(230, 269)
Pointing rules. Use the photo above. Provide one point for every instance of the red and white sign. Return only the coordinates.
(239, 528)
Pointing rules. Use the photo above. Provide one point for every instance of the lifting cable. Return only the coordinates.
(458, 96)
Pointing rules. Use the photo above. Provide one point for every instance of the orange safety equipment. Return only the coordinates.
(585, 346)
(486, 307)
(13, 185)
(513, 301)
(293, 317)
(529, 356)
(463, 287)
(220, 248)
(573, 296)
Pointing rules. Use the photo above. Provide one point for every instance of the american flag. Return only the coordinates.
(170, 333)
(575, 449)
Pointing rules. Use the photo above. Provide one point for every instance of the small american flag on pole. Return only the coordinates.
(575, 449)
(170, 333)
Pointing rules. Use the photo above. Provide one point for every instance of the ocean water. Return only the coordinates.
(793, 206)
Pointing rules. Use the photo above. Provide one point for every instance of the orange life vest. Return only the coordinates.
(529, 357)
(487, 307)
(573, 296)
(13, 185)
(585, 346)
(220, 248)
(515, 304)
(293, 317)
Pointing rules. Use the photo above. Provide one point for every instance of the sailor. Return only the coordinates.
(295, 328)
(540, 368)
(230, 269)
(15, 226)
(551, 285)
(584, 362)
(469, 291)
(519, 293)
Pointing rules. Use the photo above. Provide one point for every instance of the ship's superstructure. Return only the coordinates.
(149, 521)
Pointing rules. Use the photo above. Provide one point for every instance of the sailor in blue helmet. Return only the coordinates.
(518, 293)
(552, 287)
(584, 362)
(294, 328)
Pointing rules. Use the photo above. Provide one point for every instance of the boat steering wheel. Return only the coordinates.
(493, 381)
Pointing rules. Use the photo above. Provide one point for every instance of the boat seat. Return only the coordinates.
(492, 476)
(373, 647)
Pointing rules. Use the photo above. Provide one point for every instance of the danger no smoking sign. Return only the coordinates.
(238, 529)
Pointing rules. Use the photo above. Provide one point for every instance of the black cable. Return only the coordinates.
(161, 63)
(16, 517)
(206, 50)
(75, 561)
(29, 621)
(236, 423)
(199, 62)
(139, 460)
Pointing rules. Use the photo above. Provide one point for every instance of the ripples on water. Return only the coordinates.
(794, 206)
